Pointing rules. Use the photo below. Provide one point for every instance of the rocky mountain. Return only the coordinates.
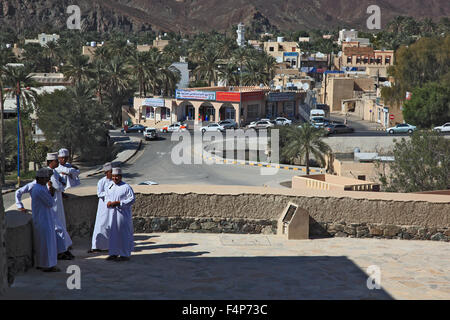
(189, 16)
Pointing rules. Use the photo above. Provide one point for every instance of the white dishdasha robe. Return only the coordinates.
(100, 237)
(63, 240)
(70, 179)
(43, 227)
(120, 219)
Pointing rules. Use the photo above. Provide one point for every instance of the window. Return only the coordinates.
(372, 60)
(362, 178)
(271, 49)
(293, 49)
(358, 59)
(349, 59)
(379, 59)
(387, 60)
(365, 59)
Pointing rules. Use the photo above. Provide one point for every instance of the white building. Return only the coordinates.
(241, 35)
(184, 72)
(43, 39)
(352, 36)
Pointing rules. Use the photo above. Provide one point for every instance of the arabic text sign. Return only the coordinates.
(195, 95)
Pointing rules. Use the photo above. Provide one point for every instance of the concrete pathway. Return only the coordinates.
(226, 266)
(128, 144)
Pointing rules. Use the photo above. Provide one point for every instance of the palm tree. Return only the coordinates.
(137, 62)
(19, 77)
(304, 142)
(207, 66)
(6, 56)
(254, 73)
(172, 51)
(51, 51)
(270, 65)
(169, 76)
(78, 68)
(119, 87)
(229, 74)
(98, 66)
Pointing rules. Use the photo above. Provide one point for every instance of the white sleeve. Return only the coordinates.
(19, 192)
(56, 183)
(101, 185)
(130, 198)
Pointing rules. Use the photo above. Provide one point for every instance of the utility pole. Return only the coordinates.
(18, 133)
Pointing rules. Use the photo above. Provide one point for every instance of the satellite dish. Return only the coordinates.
(305, 86)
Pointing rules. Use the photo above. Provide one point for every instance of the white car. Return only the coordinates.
(283, 121)
(402, 128)
(212, 127)
(262, 124)
(174, 127)
(150, 133)
(443, 128)
(148, 183)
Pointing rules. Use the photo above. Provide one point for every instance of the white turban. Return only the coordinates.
(107, 166)
(52, 156)
(116, 171)
(63, 152)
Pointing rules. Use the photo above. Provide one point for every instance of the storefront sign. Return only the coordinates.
(195, 95)
(254, 95)
(153, 102)
(228, 96)
(290, 54)
(281, 96)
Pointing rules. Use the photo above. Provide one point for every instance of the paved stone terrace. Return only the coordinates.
(228, 266)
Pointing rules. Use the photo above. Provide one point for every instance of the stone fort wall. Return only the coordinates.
(252, 210)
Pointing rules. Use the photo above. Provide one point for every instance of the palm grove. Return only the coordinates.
(78, 117)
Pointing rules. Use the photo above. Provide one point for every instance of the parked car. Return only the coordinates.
(212, 127)
(262, 124)
(150, 134)
(444, 128)
(134, 128)
(401, 128)
(252, 124)
(280, 121)
(317, 122)
(148, 183)
(174, 128)
(228, 124)
(338, 128)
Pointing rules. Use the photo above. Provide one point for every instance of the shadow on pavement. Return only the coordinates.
(139, 247)
(323, 277)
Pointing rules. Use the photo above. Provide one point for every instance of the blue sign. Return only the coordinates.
(195, 95)
(290, 54)
(153, 102)
(281, 96)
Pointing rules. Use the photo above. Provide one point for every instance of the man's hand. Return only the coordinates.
(112, 204)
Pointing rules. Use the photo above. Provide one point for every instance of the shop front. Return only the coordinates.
(281, 104)
(153, 109)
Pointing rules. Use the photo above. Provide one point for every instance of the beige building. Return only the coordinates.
(160, 44)
(337, 88)
(198, 105)
(284, 51)
(357, 58)
(361, 166)
(329, 182)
